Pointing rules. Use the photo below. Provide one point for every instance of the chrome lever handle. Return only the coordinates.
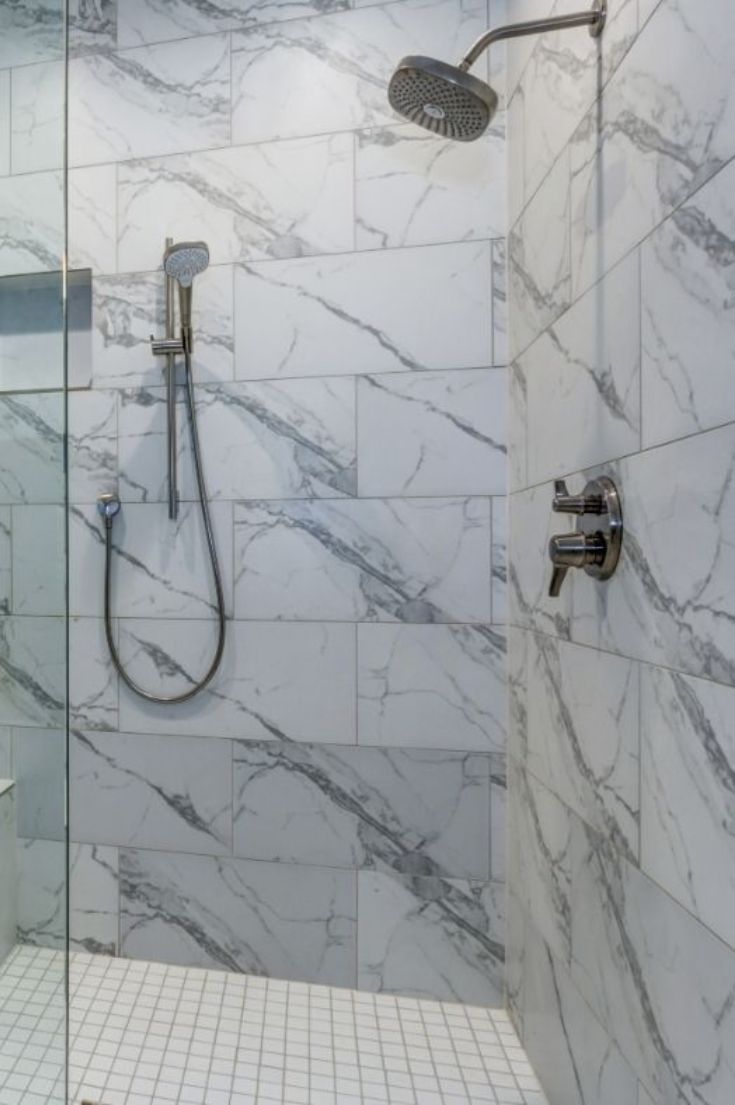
(558, 576)
(564, 503)
(574, 550)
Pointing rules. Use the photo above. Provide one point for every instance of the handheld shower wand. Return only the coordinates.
(181, 262)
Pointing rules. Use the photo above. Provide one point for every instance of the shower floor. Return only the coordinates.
(152, 1034)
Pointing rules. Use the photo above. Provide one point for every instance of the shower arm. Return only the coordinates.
(594, 18)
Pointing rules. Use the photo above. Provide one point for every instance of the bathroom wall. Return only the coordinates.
(331, 808)
(622, 848)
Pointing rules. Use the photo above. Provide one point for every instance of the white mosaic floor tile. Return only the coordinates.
(151, 1034)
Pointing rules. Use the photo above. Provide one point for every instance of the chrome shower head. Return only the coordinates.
(182, 262)
(442, 98)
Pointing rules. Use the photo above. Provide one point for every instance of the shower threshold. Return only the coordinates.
(152, 1034)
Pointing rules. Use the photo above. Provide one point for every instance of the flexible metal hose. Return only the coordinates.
(109, 516)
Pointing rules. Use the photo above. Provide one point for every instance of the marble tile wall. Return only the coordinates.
(621, 945)
(332, 807)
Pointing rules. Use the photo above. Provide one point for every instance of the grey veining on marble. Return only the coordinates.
(436, 686)
(583, 380)
(144, 21)
(364, 312)
(93, 682)
(412, 188)
(428, 935)
(31, 448)
(150, 791)
(94, 893)
(417, 811)
(634, 947)
(689, 315)
(31, 223)
(412, 560)
(31, 31)
(32, 671)
(582, 734)
(42, 892)
(333, 70)
(149, 100)
(279, 199)
(271, 919)
(582, 1065)
(93, 25)
(688, 794)
(432, 433)
(277, 680)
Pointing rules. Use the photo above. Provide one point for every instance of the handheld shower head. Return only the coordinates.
(442, 98)
(182, 262)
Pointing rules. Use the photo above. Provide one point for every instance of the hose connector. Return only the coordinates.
(108, 505)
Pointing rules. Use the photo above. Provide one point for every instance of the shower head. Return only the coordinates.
(185, 260)
(442, 98)
(182, 262)
(447, 100)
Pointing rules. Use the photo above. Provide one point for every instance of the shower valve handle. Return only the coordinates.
(595, 546)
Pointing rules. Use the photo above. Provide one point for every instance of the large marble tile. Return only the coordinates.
(416, 811)
(32, 671)
(655, 976)
(330, 74)
(93, 898)
(561, 82)
(92, 215)
(688, 794)
(92, 428)
(31, 31)
(32, 448)
(151, 100)
(127, 309)
(31, 223)
(541, 858)
(430, 937)
(145, 791)
(582, 734)
(412, 188)
(578, 1060)
(277, 680)
(93, 681)
(583, 380)
(42, 895)
(141, 21)
(280, 199)
(688, 336)
(37, 117)
(539, 260)
(39, 767)
(159, 568)
(672, 598)
(431, 686)
(412, 560)
(435, 433)
(664, 126)
(274, 439)
(273, 919)
(39, 568)
(364, 312)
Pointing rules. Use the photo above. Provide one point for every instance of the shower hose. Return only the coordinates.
(109, 517)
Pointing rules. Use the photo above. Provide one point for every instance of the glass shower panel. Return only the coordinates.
(33, 621)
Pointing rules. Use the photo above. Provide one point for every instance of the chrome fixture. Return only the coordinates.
(596, 545)
(448, 100)
(182, 262)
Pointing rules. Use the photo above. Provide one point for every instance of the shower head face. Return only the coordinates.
(185, 260)
(442, 98)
